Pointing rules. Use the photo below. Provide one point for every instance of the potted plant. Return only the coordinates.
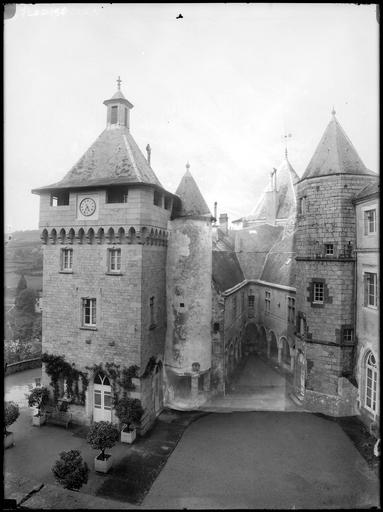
(38, 398)
(102, 435)
(11, 413)
(129, 411)
(70, 470)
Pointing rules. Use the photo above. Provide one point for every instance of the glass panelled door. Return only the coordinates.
(102, 399)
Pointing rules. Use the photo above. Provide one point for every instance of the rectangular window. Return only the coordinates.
(168, 203)
(250, 301)
(113, 115)
(126, 117)
(370, 289)
(157, 198)
(318, 293)
(291, 309)
(60, 199)
(301, 205)
(267, 301)
(66, 259)
(114, 257)
(348, 335)
(117, 195)
(329, 249)
(89, 312)
(369, 222)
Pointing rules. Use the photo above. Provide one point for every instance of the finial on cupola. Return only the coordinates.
(148, 152)
(333, 111)
(187, 165)
(119, 83)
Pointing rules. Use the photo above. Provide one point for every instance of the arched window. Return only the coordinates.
(371, 382)
(101, 379)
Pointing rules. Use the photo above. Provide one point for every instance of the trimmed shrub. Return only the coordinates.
(11, 413)
(70, 470)
(102, 435)
(129, 411)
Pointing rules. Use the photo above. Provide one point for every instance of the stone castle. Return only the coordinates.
(149, 283)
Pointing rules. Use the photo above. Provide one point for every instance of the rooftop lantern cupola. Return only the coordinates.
(118, 110)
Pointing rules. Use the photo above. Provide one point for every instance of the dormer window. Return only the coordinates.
(59, 199)
(113, 115)
(157, 198)
(117, 195)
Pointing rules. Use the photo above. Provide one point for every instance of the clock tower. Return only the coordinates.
(104, 227)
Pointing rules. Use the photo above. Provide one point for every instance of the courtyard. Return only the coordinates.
(241, 459)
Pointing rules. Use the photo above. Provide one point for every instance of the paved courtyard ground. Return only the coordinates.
(252, 460)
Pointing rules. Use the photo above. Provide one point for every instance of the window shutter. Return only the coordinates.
(365, 223)
(365, 286)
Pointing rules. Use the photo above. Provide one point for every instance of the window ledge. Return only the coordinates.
(114, 273)
(88, 328)
(65, 271)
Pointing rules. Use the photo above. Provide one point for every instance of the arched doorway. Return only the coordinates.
(286, 356)
(251, 335)
(102, 398)
(273, 346)
(262, 341)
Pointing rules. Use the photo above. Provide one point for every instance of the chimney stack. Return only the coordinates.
(148, 151)
(224, 223)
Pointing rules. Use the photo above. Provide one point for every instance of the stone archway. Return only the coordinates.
(262, 341)
(273, 346)
(286, 355)
(251, 335)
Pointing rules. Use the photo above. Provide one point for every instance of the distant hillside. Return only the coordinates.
(23, 255)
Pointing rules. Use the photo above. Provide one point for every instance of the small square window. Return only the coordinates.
(66, 259)
(114, 260)
(182, 304)
(348, 335)
(329, 249)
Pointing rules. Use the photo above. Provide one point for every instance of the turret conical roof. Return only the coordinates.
(335, 154)
(192, 202)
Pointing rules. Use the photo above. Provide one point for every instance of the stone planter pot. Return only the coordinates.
(128, 436)
(9, 440)
(103, 466)
(37, 421)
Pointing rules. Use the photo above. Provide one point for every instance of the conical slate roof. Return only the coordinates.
(192, 202)
(114, 158)
(286, 178)
(335, 154)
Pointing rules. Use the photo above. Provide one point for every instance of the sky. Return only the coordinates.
(219, 87)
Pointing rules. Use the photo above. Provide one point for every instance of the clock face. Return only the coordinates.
(88, 206)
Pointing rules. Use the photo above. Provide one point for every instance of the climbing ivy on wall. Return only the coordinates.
(57, 368)
(117, 377)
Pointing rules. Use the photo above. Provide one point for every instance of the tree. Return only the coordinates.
(70, 470)
(26, 301)
(102, 435)
(129, 411)
(11, 413)
(21, 285)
